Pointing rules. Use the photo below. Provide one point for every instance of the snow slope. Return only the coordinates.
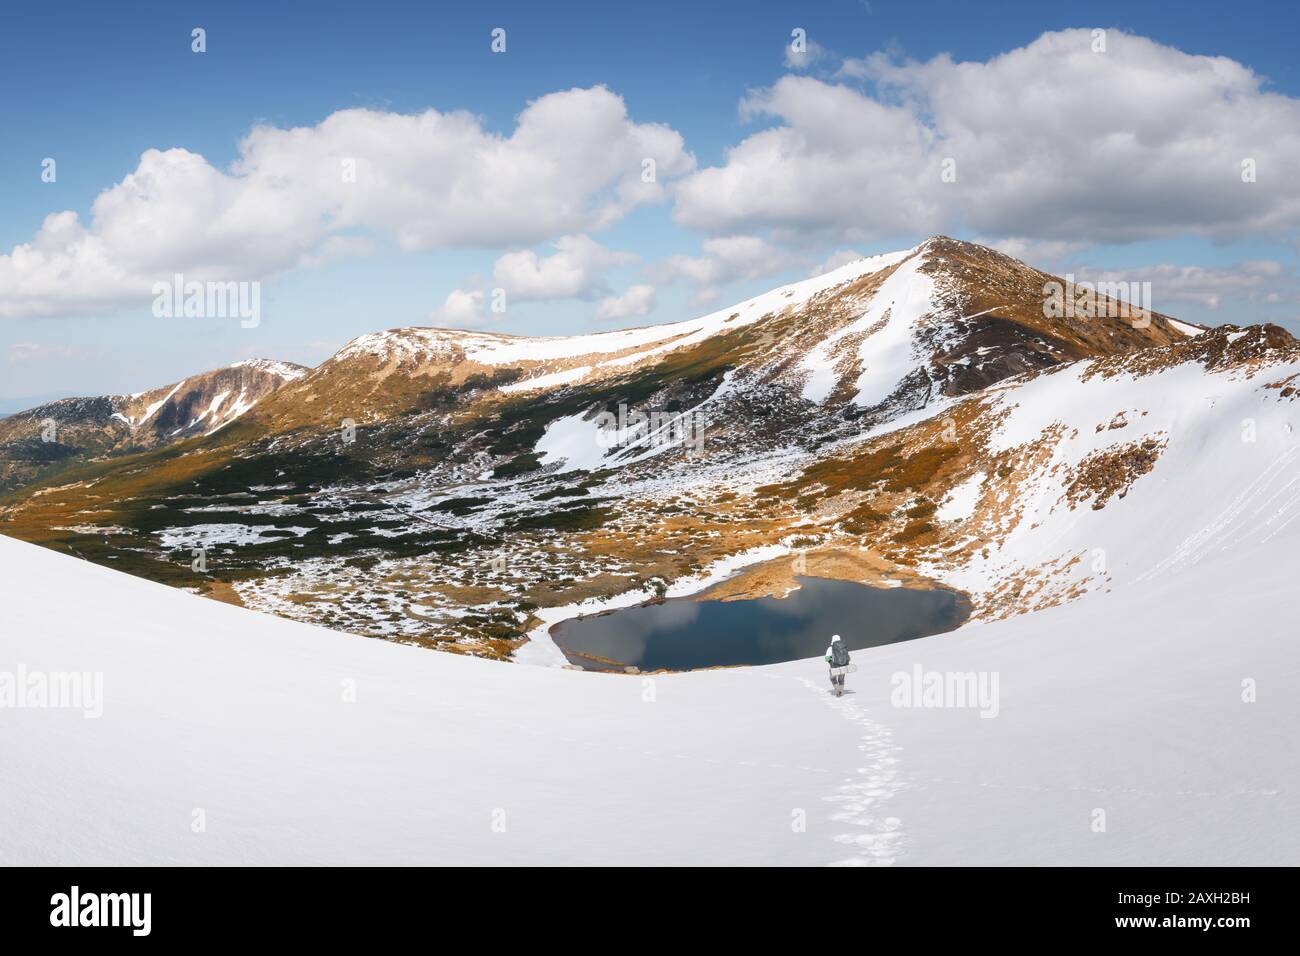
(888, 355)
(601, 352)
(1227, 473)
(654, 339)
(1128, 702)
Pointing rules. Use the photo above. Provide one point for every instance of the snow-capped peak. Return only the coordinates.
(416, 342)
(283, 370)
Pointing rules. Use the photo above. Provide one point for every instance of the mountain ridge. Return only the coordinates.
(460, 490)
(40, 441)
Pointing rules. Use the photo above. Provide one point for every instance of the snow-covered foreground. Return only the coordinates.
(1129, 703)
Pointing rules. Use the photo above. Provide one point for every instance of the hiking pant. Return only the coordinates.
(837, 679)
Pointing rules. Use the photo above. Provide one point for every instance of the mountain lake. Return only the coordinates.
(685, 633)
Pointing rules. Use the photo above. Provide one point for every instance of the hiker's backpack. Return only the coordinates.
(839, 654)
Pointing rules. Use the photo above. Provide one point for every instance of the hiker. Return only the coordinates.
(837, 655)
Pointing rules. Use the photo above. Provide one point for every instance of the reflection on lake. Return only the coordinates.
(681, 634)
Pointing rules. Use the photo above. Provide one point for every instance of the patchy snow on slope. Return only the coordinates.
(961, 501)
(1224, 471)
(1188, 330)
(284, 370)
(606, 440)
(821, 379)
(149, 412)
(211, 535)
(888, 352)
(889, 355)
(563, 377)
(413, 343)
(239, 407)
(574, 441)
(212, 407)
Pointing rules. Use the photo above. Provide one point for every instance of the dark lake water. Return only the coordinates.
(682, 634)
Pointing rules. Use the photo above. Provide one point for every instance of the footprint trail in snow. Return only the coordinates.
(876, 839)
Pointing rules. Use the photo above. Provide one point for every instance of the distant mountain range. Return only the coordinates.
(45, 439)
(912, 418)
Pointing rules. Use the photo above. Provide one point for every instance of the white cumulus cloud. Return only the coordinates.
(724, 259)
(462, 309)
(300, 196)
(1051, 141)
(1253, 282)
(637, 300)
(838, 258)
(575, 270)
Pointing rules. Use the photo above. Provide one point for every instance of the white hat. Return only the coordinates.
(835, 638)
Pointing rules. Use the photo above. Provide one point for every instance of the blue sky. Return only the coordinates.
(94, 86)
